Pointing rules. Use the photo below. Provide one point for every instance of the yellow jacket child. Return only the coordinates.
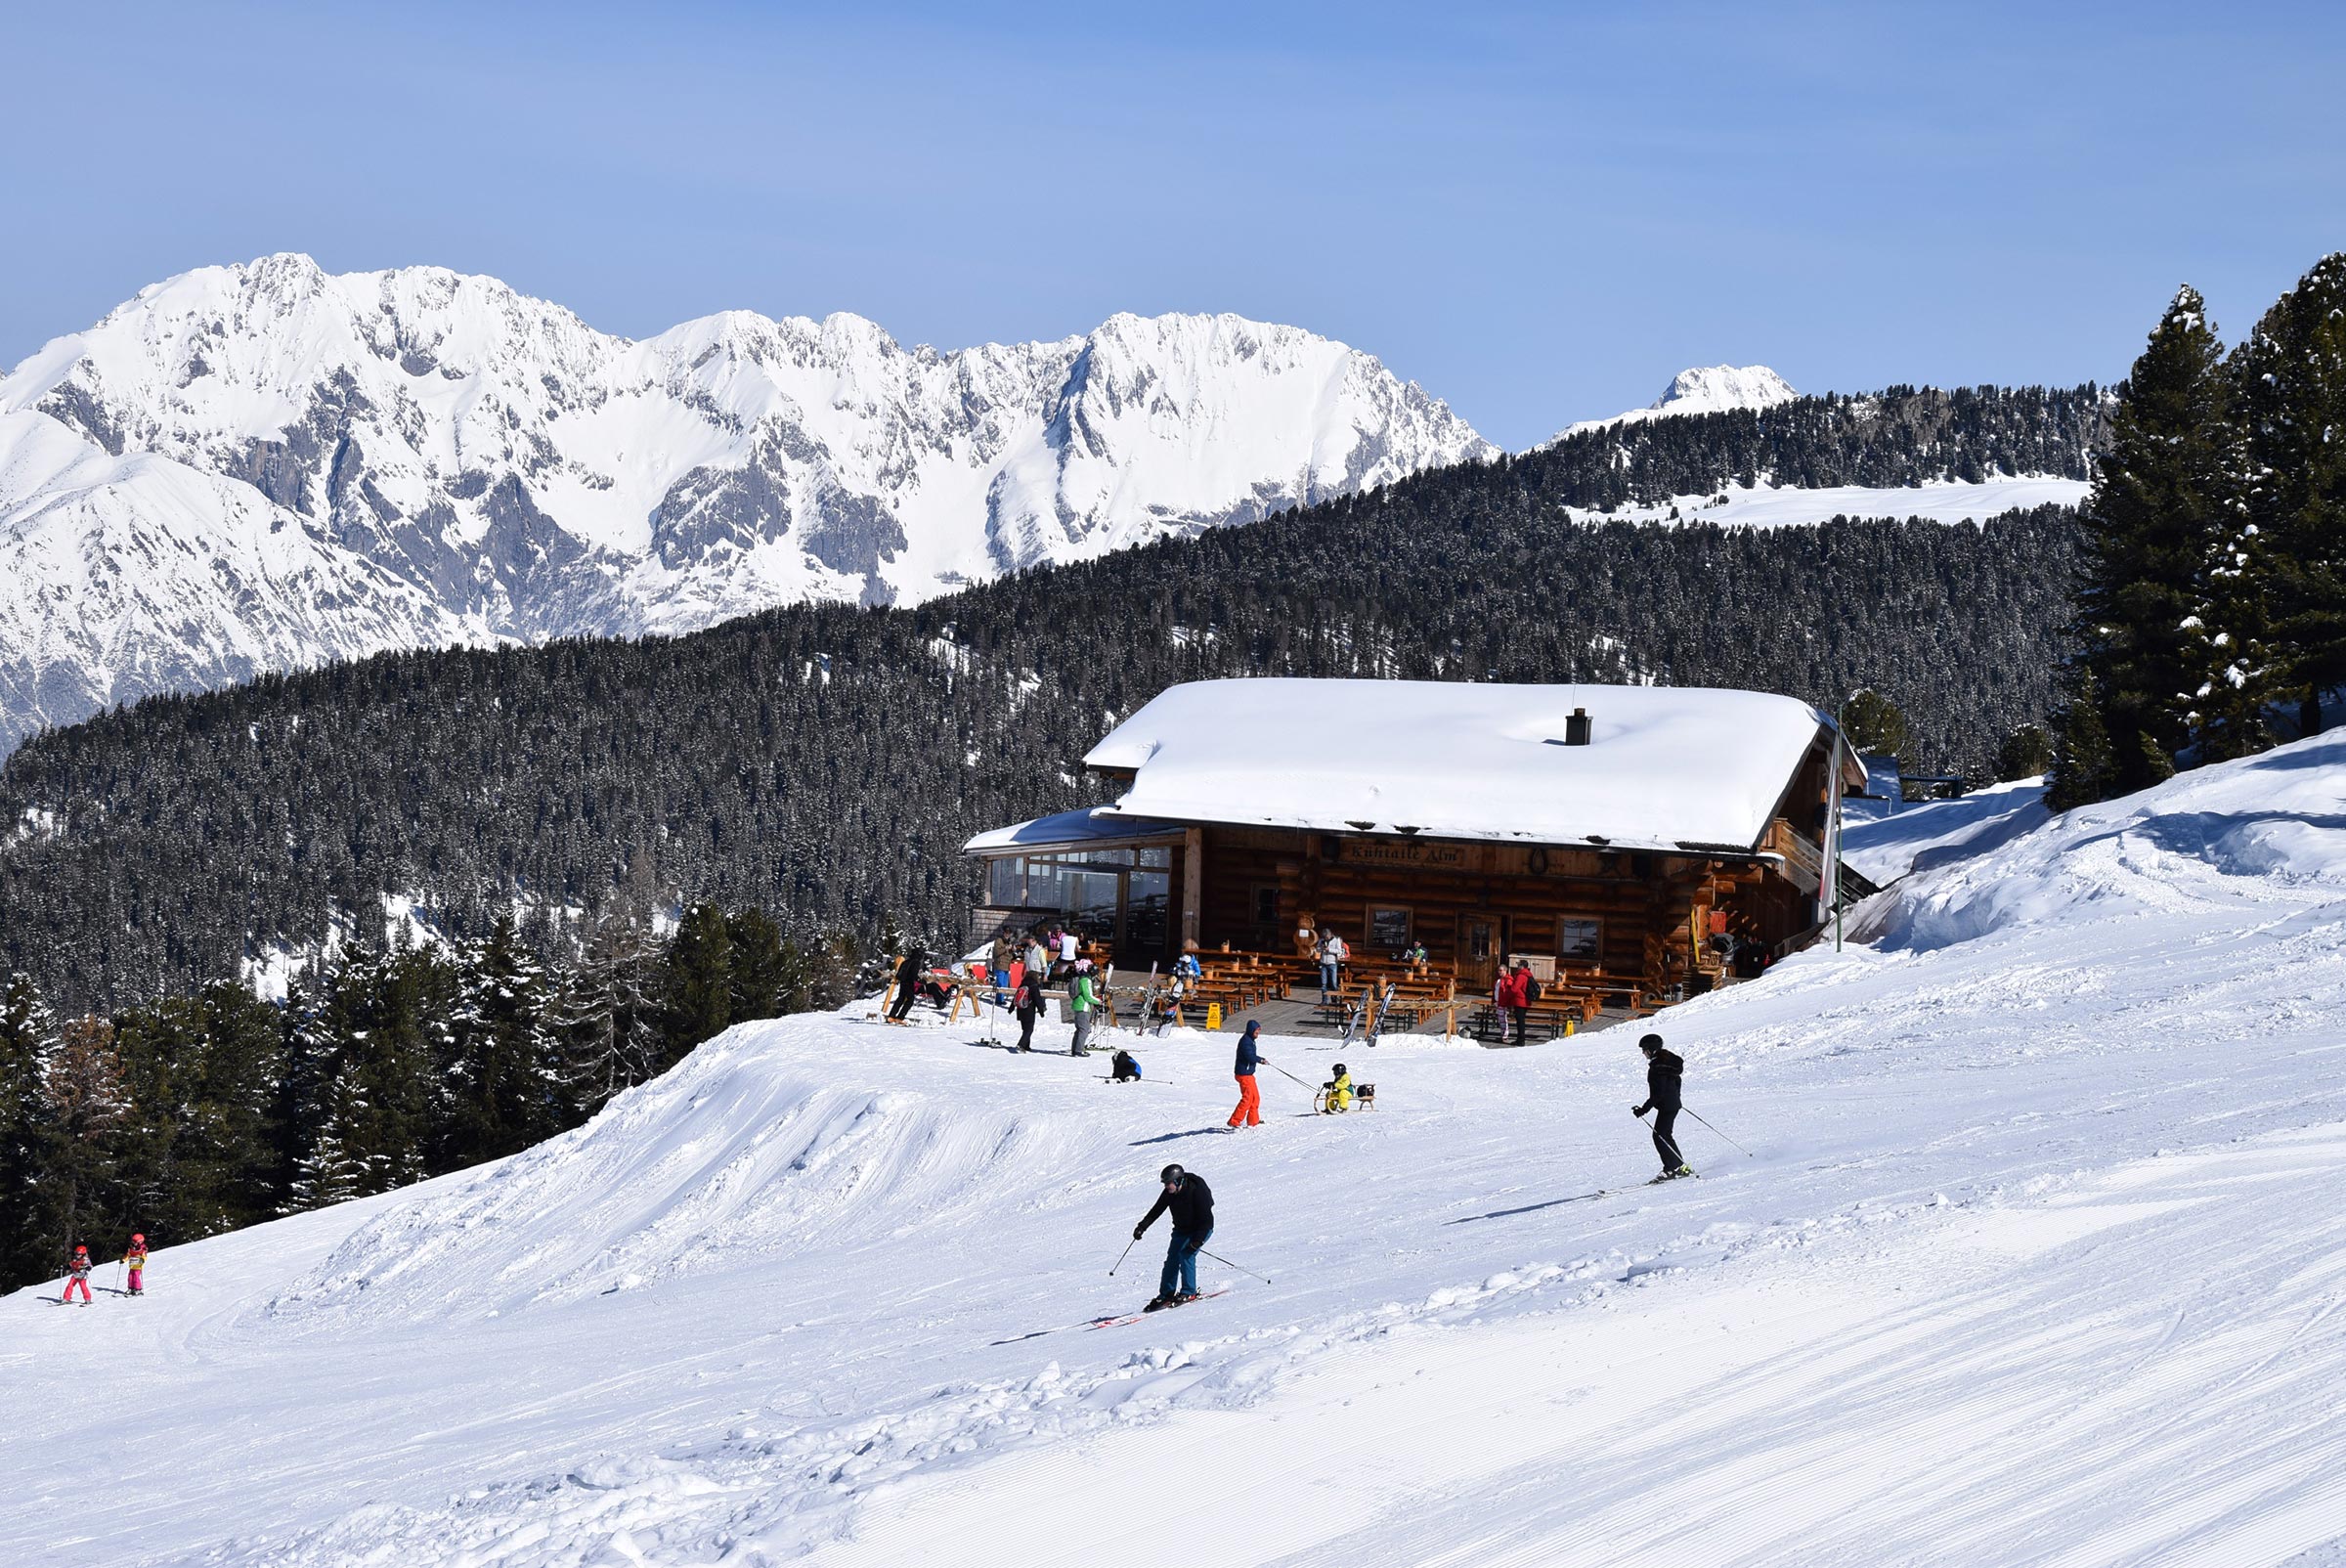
(1336, 1094)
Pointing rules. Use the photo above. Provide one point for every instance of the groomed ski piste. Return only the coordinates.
(2037, 1261)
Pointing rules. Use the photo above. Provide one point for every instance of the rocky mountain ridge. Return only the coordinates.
(267, 466)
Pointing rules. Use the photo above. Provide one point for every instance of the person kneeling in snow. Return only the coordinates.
(1335, 1095)
(1192, 1204)
(1126, 1066)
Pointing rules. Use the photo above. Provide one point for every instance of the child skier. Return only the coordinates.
(1125, 1066)
(135, 1260)
(77, 1275)
(1335, 1095)
(1664, 1074)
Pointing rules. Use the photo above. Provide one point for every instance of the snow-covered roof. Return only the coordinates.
(1667, 768)
(1066, 827)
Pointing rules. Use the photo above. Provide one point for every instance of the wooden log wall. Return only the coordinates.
(1655, 911)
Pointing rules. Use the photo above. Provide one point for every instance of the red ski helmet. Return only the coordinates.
(139, 1237)
(81, 1249)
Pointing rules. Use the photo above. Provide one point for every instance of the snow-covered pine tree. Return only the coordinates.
(28, 1035)
(2156, 509)
(88, 1108)
(605, 1017)
(333, 1169)
(756, 988)
(503, 1083)
(2083, 770)
(2291, 376)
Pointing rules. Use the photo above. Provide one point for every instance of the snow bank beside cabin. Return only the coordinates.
(2259, 833)
(1885, 844)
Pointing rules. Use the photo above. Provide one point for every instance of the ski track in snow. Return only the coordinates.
(2038, 1261)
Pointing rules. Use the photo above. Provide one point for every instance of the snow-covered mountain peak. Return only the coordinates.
(524, 475)
(1703, 390)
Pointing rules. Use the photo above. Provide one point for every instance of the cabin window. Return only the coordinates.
(1579, 941)
(1123, 897)
(1148, 908)
(1389, 927)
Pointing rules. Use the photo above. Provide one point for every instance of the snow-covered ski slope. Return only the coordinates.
(2038, 1261)
(1765, 505)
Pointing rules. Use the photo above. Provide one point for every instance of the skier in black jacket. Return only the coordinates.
(1192, 1204)
(1031, 1005)
(1665, 1071)
(908, 985)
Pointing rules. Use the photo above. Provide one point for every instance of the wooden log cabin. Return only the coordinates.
(1623, 833)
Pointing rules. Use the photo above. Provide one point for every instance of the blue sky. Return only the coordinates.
(1539, 213)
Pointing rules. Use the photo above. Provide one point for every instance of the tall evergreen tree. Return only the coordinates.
(755, 986)
(26, 1038)
(700, 979)
(608, 1015)
(89, 1109)
(2290, 375)
(504, 1086)
(2150, 527)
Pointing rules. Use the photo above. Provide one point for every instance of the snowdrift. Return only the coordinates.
(2237, 835)
(745, 1153)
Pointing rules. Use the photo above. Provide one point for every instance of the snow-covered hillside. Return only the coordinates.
(265, 465)
(1702, 389)
(2035, 1259)
(1769, 505)
(1719, 388)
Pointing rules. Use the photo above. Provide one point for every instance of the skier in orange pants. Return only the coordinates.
(1249, 1112)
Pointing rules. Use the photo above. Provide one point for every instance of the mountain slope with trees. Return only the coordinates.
(825, 763)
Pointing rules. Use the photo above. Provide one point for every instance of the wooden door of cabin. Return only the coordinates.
(1480, 939)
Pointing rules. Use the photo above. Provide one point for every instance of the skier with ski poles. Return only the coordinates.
(1665, 1074)
(1249, 1111)
(135, 1260)
(1191, 1205)
(77, 1275)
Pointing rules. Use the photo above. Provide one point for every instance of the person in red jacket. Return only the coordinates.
(1513, 995)
(77, 1274)
(135, 1260)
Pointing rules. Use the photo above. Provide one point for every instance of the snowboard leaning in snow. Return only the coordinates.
(1111, 1321)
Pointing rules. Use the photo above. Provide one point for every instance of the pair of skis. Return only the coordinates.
(1376, 1005)
(1113, 1320)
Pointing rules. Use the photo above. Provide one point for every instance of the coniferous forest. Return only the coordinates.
(2210, 614)
(618, 847)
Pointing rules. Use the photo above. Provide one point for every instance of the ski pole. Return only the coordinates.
(1698, 1115)
(1240, 1267)
(1121, 1256)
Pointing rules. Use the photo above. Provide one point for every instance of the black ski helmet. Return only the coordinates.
(1339, 1070)
(1652, 1042)
(1169, 1175)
